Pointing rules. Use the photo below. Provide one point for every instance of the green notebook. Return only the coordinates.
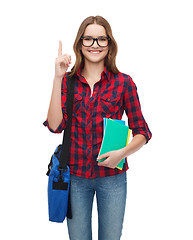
(116, 136)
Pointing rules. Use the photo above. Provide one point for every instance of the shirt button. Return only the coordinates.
(88, 166)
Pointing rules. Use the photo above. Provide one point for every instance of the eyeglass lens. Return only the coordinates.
(89, 41)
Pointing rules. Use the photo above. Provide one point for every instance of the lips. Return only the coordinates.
(95, 51)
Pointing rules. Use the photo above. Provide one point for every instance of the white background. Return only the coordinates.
(155, 48)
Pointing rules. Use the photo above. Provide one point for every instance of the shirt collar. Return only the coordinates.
(105, 72)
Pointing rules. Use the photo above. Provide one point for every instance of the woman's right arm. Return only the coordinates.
(55, 114)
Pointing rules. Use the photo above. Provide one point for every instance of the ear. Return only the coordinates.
(79, 46)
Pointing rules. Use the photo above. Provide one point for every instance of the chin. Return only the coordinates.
(95, 59)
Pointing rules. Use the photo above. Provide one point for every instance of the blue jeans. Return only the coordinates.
(111, 193)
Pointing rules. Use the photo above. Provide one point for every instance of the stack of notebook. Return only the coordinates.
(116, 136)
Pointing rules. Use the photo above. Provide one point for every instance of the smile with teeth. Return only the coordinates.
(94, 51)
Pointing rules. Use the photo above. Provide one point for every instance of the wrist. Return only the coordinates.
(124, 152)
(58, 78)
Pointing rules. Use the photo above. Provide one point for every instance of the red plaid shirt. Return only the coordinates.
(113, 94)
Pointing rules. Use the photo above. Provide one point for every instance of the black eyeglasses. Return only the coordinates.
(88, 41)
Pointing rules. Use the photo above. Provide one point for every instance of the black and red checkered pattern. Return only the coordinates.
(112, 95)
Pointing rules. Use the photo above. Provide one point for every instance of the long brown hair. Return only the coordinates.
(111, 56)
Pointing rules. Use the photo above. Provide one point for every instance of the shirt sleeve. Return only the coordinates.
(63, 123)
(59, 129)
(132, 107)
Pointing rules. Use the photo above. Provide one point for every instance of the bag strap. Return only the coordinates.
(67, 132)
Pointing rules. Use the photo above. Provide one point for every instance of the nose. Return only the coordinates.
(95, 44)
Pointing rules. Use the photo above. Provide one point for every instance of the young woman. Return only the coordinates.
(101, 91)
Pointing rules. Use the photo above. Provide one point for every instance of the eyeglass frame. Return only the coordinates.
(95, 39)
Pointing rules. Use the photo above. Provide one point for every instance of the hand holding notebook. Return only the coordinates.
(112, 159)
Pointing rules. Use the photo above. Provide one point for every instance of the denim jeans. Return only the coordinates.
(111, 193)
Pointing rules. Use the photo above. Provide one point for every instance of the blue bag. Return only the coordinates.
(58, 189)
(58, 171)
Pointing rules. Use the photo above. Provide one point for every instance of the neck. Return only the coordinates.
(92, 70)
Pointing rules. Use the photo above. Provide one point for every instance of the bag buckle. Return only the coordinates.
(61, 170)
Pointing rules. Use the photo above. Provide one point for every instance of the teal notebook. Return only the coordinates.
(116, 136)
(117, 120)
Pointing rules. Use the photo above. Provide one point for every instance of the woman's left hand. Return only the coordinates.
(113, 158)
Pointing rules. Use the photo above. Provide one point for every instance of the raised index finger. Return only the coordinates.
(60, 49)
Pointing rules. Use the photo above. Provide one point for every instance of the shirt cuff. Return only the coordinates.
(144, 132)
(59, 129)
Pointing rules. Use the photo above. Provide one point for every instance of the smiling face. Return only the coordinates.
(95, 53)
